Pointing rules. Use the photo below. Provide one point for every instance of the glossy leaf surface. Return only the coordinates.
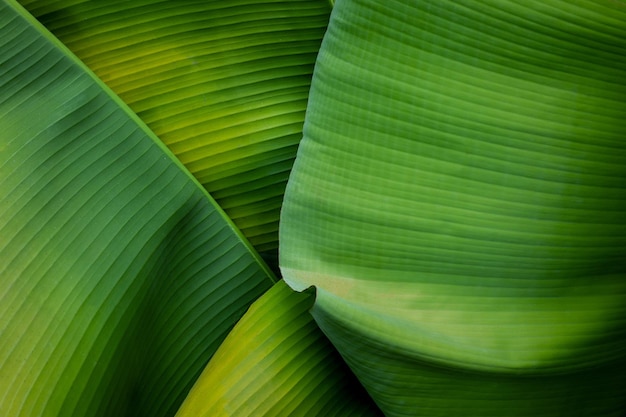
(223, 84)
(459, 201)
(277, 362)
(119, 275)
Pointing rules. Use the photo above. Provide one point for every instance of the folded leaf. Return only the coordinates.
(119, 275)
(459, 201)
(277, 362)
(223, 84)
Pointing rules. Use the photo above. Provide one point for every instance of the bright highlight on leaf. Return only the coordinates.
(277, 362)
(223, 84)
(459, 201)
(119, 275)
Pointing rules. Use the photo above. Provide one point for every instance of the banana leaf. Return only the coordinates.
(119, 274)
(277, 362)
(459, 202)
(223, 84)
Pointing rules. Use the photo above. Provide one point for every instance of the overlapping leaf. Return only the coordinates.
(223, 84)
(459, 200)
(119, 275)
(277, 362)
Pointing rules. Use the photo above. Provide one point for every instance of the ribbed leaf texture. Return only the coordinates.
(459, 201)
(119, 275)
(224, 85)
(277, 362)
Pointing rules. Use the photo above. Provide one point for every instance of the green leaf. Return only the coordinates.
(223, 84)
(459, 201)
(277, 362)
(119, 275)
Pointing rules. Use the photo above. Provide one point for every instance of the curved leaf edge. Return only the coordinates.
(166, 151)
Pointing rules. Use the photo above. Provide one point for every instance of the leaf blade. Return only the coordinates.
(460, 202)
(276, 361)
(223, 85)
(114, 260)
